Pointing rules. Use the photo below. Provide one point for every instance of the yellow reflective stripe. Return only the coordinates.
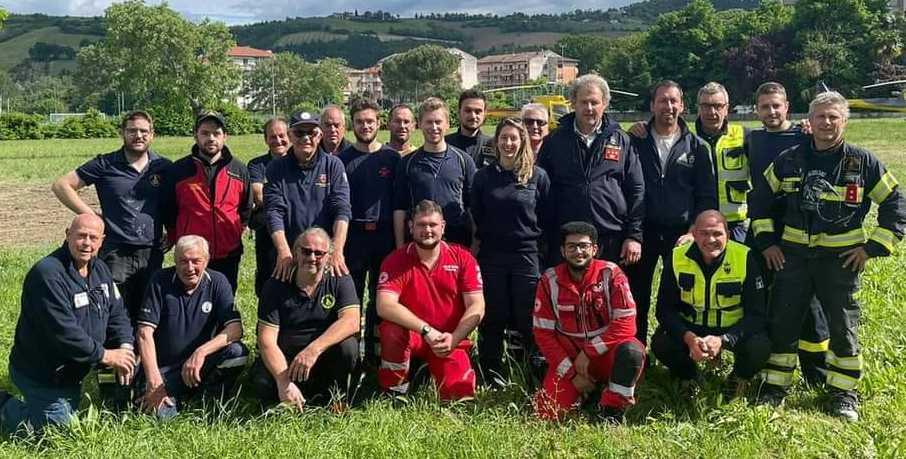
(839, 194)
(778, 378)
(885, 237)
(853, 363)
(772, 179)
(783, 360)
(841, 381)
(883, 188)
(106, 378)
(809, 346)
(849, 238)
(763, 225)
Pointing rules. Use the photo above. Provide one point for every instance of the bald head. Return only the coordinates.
(84, 237)
(333, 126)
(710, 233)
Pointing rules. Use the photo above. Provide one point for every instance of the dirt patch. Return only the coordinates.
(32, 215)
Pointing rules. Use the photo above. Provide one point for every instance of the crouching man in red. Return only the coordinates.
(584, 323)
(429, 296)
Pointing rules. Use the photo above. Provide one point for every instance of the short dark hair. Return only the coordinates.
(401, 107)
(580, 228)
(134, 115)
(360, 105)
(273, 121)
(426, 206)
(472, 94)
(665, 84)
(770, 87)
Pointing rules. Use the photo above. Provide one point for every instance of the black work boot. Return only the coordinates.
(611, 415)
(843, 404)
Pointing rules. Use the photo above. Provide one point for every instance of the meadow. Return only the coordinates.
(664, 423)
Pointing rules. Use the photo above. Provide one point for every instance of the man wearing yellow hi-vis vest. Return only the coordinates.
(713, 299)
(731, 162)
(827, 187)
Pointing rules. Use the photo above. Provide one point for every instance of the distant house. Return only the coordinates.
(502, 70)
(468, 68)
(365, 81)
(246, 58)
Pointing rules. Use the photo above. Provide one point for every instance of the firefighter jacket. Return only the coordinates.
(827, 196)
(594, 315)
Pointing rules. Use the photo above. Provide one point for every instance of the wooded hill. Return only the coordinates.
(46, 44)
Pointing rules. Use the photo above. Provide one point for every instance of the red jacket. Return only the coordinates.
(211, 201)
(594, 315)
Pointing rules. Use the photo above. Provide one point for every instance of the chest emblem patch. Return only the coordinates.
(328, 301)
(206, 307)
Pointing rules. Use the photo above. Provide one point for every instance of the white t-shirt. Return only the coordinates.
(664, 144)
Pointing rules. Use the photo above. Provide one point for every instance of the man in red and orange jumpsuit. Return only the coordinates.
(429, 296)
(584, 324)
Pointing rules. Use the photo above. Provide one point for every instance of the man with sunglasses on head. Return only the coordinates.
(595, 176)
(306, 188)
(307, 329)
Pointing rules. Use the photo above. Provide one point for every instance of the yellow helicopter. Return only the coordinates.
(882, 104)
(557, 105)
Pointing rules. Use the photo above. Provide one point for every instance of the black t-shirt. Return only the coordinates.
(370, 178)
(480, 148)
(182, 322)
(300, 318)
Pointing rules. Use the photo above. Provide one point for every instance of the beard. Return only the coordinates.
(427, 246)
(364, 140)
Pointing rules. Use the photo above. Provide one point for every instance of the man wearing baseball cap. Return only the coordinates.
(207, 193)
(306, 188)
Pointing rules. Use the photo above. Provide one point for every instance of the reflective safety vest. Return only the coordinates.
(733, 182)
(715, 302)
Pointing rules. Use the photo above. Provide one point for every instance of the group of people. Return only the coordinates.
(546, 243)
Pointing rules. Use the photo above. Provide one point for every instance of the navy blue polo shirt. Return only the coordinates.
(370, 178)
(301, 318)
(129, 198)
(257, 167)
(297, 198)
(508, 215)
(445, 178)
(182, 322)
(480, 148)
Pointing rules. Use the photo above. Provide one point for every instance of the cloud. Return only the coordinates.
(246, 11)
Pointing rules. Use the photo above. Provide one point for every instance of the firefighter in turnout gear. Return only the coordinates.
(827, 186)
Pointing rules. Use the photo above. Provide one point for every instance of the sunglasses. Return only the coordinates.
(531, 122)
(306, 252)
(305, 134)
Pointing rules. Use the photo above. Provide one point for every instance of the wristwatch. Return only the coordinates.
(426, 329)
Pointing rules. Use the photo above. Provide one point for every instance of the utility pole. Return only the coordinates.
(274, 88)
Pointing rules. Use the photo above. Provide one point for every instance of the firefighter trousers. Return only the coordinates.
(807, 273)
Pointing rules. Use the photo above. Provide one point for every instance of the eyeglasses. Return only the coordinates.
(715, 107)
(531, 122)
(577, 246)
(306, 252)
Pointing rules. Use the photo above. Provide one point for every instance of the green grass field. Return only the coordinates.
(16, 49)
(499, 424)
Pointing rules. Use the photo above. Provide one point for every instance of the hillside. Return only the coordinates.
(359, 37)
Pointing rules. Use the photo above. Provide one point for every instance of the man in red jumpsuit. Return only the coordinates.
(429, 296)
(584, 324)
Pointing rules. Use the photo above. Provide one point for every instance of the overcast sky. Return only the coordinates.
(245, 11)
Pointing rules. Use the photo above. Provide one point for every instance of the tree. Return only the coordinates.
(686, 46)
(156, 58)
(627, 68)
(291, 82)
(3, 16)
(590, 50)
(427, 70)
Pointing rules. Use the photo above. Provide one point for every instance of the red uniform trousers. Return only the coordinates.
(559, 396)
(453, 374)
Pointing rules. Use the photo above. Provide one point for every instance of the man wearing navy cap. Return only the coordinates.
(127, 182)
(207, 193)
(306, 188)
(188, 332)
